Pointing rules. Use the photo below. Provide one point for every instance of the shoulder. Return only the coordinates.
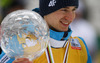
(81, 40)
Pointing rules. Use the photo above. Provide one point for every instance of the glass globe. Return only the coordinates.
(25, 34)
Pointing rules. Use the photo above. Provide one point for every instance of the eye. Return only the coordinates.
(74, 9)
(63, 10)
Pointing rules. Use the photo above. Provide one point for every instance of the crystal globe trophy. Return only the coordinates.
(24, 34)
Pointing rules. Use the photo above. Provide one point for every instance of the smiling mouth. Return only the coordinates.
(66, 24)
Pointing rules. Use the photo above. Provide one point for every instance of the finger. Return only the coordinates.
(21, 60)
(31, 62)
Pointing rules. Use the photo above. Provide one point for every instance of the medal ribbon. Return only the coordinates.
(50, 55)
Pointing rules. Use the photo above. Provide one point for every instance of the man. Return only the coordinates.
(63, 48)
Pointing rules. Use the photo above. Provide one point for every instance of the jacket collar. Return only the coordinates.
(55, 38)
(59, 35)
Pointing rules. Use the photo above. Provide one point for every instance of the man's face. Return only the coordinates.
(60, 19)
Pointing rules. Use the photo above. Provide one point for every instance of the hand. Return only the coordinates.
(22, 60)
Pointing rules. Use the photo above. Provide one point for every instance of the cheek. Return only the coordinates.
(70, 17)
(50, 20)
(74, 16)
(55, 18)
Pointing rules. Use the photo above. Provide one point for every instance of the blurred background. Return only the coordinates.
(86, 24)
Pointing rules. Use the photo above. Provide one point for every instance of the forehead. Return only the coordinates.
(70, 7)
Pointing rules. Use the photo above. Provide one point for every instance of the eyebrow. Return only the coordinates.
(70, 6)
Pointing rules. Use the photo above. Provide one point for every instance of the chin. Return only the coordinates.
(65, 29)
(60, 29)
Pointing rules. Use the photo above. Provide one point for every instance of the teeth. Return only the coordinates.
(65, 23)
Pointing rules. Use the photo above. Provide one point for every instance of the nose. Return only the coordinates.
(69, 16)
